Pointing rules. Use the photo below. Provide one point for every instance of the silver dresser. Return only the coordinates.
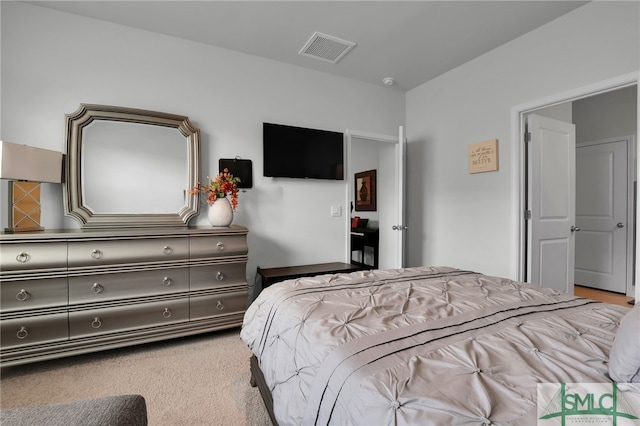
(76, 291)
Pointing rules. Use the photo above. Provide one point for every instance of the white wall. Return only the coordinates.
(609, 115)
(562, 112)
(53, 61)
(466, 220)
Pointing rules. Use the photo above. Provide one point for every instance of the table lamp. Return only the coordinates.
(25, 167)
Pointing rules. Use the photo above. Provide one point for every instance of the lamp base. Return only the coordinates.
(24, 211)
(23, 229)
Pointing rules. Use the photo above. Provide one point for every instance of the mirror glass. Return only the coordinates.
(150, 178)
(128, 167)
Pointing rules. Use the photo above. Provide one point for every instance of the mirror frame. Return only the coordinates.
(73, 188)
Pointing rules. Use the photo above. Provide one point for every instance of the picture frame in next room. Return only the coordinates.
(365, 187)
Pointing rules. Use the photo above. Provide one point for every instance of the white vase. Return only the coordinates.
(220, 212)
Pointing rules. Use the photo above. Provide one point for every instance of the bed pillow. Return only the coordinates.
(624, 359)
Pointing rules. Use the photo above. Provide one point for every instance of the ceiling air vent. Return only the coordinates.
(326, 47)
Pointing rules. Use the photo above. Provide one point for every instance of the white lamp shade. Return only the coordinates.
(23, 162)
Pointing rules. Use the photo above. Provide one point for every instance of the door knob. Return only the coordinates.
(620, 225)
(574, 229)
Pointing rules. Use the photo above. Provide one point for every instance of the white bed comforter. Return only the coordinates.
(427, 346)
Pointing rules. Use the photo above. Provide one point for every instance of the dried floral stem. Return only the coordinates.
(224, 184)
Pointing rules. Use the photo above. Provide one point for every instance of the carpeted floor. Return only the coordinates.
(200, 380)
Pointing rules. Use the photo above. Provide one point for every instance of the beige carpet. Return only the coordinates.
(200, 380)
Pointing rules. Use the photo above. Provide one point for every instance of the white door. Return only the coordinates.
(551, 202)
(601, 215)
(389, 151)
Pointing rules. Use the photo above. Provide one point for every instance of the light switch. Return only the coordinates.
(336, 211)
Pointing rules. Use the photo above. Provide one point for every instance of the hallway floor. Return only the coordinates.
(602, 296)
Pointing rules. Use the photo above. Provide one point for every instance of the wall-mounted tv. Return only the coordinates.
(298, 152)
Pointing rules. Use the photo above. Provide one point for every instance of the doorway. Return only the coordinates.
(519, 116)
(385, 155)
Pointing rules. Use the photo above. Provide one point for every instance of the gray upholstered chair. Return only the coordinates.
(120, 410)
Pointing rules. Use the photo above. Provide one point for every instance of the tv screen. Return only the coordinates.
(297, 152)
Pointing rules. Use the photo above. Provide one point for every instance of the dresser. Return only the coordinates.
(69, 292)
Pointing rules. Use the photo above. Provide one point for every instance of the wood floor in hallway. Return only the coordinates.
(602, 296)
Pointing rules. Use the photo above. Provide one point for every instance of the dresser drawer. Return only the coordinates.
(214, 246)
(17, 295)
(126, 285)
(29, 256)
(129, 317)
(212, 276)
(110, 252)
(29, 331)
(210, 306)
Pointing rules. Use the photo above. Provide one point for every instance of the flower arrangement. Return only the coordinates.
(224, 184)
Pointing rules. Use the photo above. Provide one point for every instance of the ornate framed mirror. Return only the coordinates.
(127, 167)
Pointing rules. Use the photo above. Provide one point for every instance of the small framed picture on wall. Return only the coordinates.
(365, 186)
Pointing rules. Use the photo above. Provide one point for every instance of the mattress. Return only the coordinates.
(427, 345)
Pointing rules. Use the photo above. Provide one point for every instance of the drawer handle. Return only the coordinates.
(167, 250)
(166, 313)
(96, 288)
(96, 254)
(96, 323)
(220, 246)
(219, 276)
(219, 306)
(23, 295)
(22, 333)
(167, 281)
(23, 257)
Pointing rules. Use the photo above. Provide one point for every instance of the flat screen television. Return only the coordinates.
(298, 152)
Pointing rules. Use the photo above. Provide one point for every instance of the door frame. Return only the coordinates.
(518, 159)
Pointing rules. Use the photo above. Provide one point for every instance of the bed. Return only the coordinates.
(427, 345)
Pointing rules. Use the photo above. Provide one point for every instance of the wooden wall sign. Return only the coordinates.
(483, 156)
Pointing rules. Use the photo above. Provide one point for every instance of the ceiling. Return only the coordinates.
(410, 41)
